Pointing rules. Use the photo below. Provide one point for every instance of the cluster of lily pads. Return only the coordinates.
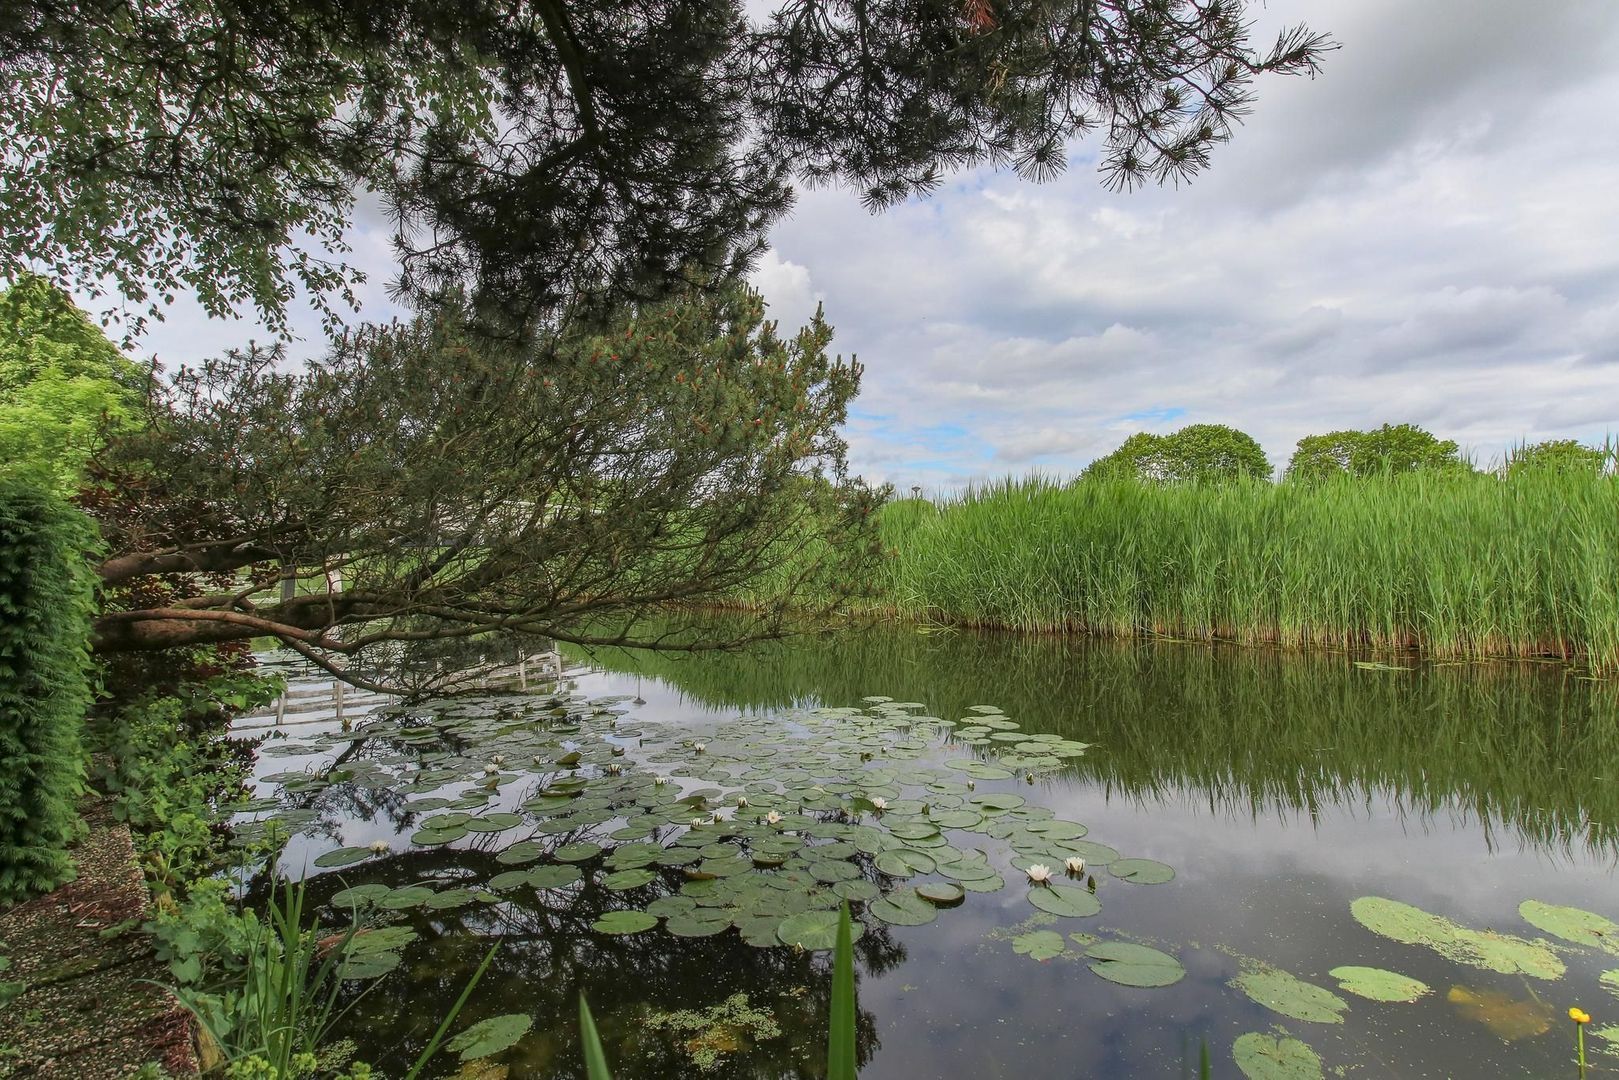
(1278, 1056)
(764, 824)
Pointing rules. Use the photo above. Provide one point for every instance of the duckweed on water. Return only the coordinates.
(1375, 984)
(1477, 948)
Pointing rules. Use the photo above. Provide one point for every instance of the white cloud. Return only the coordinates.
(1423, 233)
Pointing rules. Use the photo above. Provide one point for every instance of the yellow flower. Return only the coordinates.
(1579, 1016)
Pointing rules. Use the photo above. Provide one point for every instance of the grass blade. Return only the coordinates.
(449, 1018)
(595, 1060)
(840, 1047)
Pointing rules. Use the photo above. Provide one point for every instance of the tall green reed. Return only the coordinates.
(286, 1005)
(1454, 564)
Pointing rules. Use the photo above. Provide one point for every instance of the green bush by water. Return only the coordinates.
(45, 606)
(1455, 564)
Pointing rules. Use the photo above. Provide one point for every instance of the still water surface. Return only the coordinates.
(1280, 787)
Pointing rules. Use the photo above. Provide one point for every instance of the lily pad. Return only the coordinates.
(1142, 871)
(490, 1036)
(1039, 944)
(344, 856)
(621, 880)
(1478, 948)
(1377, 984)
(905, 862)
(553, 877)
(1572, 924)
(1275, 1057)
(1282, 992)
(903, 907)
(577, 852)
(698, 923)
(1129, 964)
(624, 922)
(359, 896)
(942, 893)
(1064, 900)
(814, 930)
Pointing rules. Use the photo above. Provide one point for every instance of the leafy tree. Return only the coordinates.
(564, 488)
(1390, 448)
(1557, 455)
(1198, 453)
(1136, 456)
(63, 385)
(553, 157)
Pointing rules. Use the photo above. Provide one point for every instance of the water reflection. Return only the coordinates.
(1280, 786)
(1248, 732)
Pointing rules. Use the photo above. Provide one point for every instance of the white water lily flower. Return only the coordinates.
(491, 769)
(1075, 864)
(971, 785)
(1040, 874)
(660, 780)
(614, 768)
(699, 747)
(773, 818)
(741, 800)
(380, 847)
(618, 751)
(718, 817)
(498, 759)
(879, 804)
(699, 821)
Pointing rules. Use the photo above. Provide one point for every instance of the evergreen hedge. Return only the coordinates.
(46, 596)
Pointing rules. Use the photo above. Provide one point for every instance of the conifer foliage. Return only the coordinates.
(45, 608)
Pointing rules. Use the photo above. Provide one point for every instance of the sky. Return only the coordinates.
(1427, 232)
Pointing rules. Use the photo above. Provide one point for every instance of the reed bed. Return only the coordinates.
(1456, 565)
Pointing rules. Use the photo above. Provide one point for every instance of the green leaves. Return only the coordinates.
(1572, 924)
(45, 596)
(1376, 984)
(1129, 964)
(1291, 996)
(595, 1059)
(1478, 948)
(1039, 944)
(1275, 1057)
(840, 1050)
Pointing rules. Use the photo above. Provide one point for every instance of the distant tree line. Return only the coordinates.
(1204, 453)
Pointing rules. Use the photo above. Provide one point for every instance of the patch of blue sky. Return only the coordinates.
(1158, 414)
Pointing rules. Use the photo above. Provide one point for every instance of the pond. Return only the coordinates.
(1257, 826)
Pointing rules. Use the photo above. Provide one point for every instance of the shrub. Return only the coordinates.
(46, 593)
